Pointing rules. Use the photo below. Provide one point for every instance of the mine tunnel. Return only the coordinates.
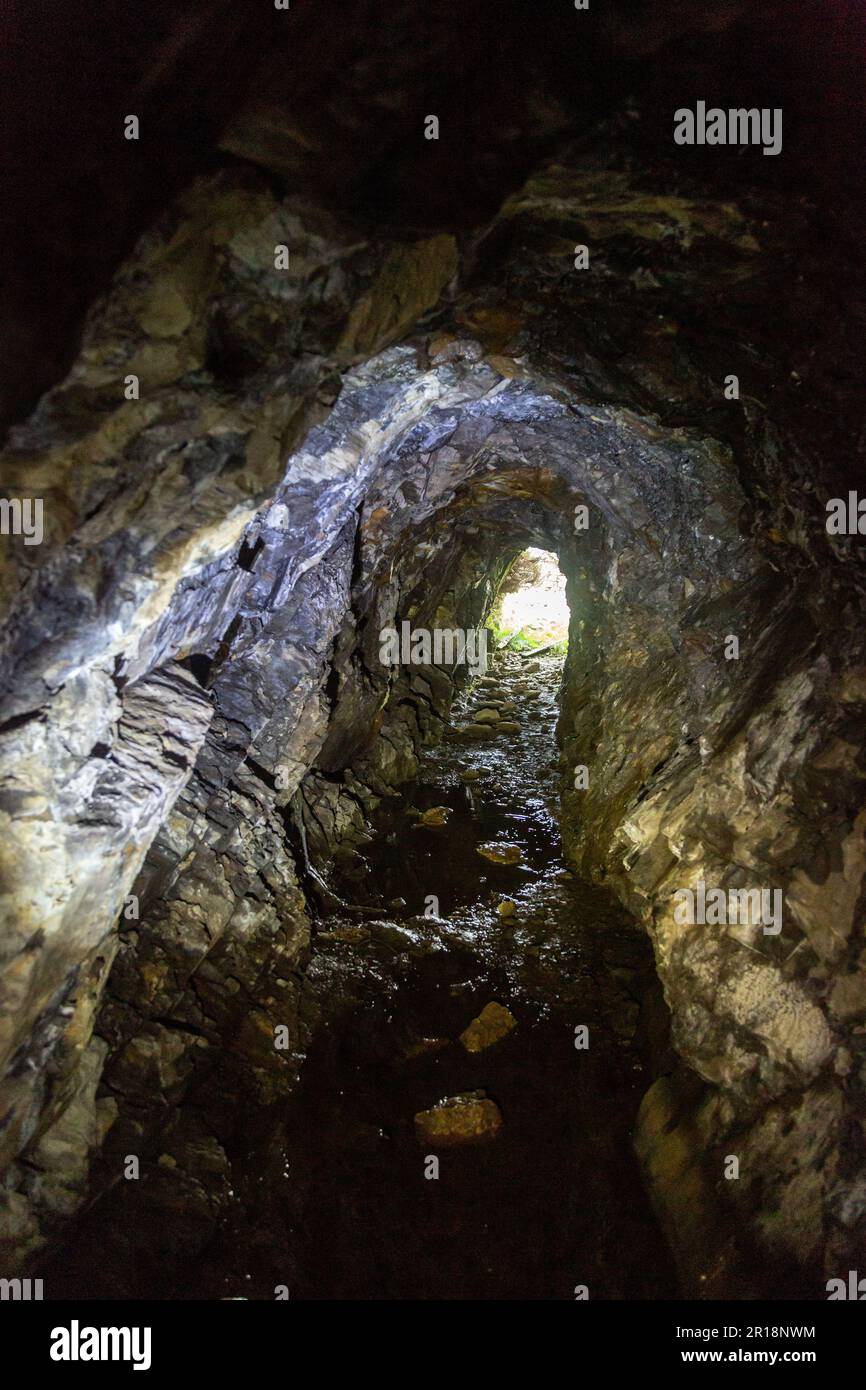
(362, 940)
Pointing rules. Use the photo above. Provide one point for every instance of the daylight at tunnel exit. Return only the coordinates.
(433, 679)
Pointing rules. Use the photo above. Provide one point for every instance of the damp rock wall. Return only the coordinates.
(196, 717)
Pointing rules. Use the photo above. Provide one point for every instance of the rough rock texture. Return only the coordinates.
(469, 1119)
(195, 710)
(117, 630)
(335, 107)
(492, 1025)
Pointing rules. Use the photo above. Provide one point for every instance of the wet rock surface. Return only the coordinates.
(195, 712)
(538, 1188)
(472, 1118)
(492, 1025)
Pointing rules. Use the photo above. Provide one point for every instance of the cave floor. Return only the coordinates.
(336, 1205)
(328, 1197)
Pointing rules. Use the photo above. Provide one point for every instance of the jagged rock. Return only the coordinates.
(501, 853)
(492, 1025)
(470, 1118)
(410, 281)
(196, 719)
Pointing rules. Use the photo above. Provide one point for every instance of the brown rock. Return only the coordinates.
(501, 853)
(411, 279)
(478, 731)
(470, 1118)
(493, 1024)
(436, 816)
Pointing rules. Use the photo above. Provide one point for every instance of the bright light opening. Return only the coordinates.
(532, 604)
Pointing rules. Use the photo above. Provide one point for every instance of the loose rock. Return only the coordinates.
(436, 816)
(501, 853)
(469, 1118)
(492, 1025)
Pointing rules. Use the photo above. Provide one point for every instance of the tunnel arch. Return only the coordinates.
(262, 530)
(404, 465)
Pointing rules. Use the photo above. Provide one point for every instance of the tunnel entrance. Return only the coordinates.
(531, 609)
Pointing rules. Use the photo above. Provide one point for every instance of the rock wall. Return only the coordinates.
(195, 711)
(119, 624)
